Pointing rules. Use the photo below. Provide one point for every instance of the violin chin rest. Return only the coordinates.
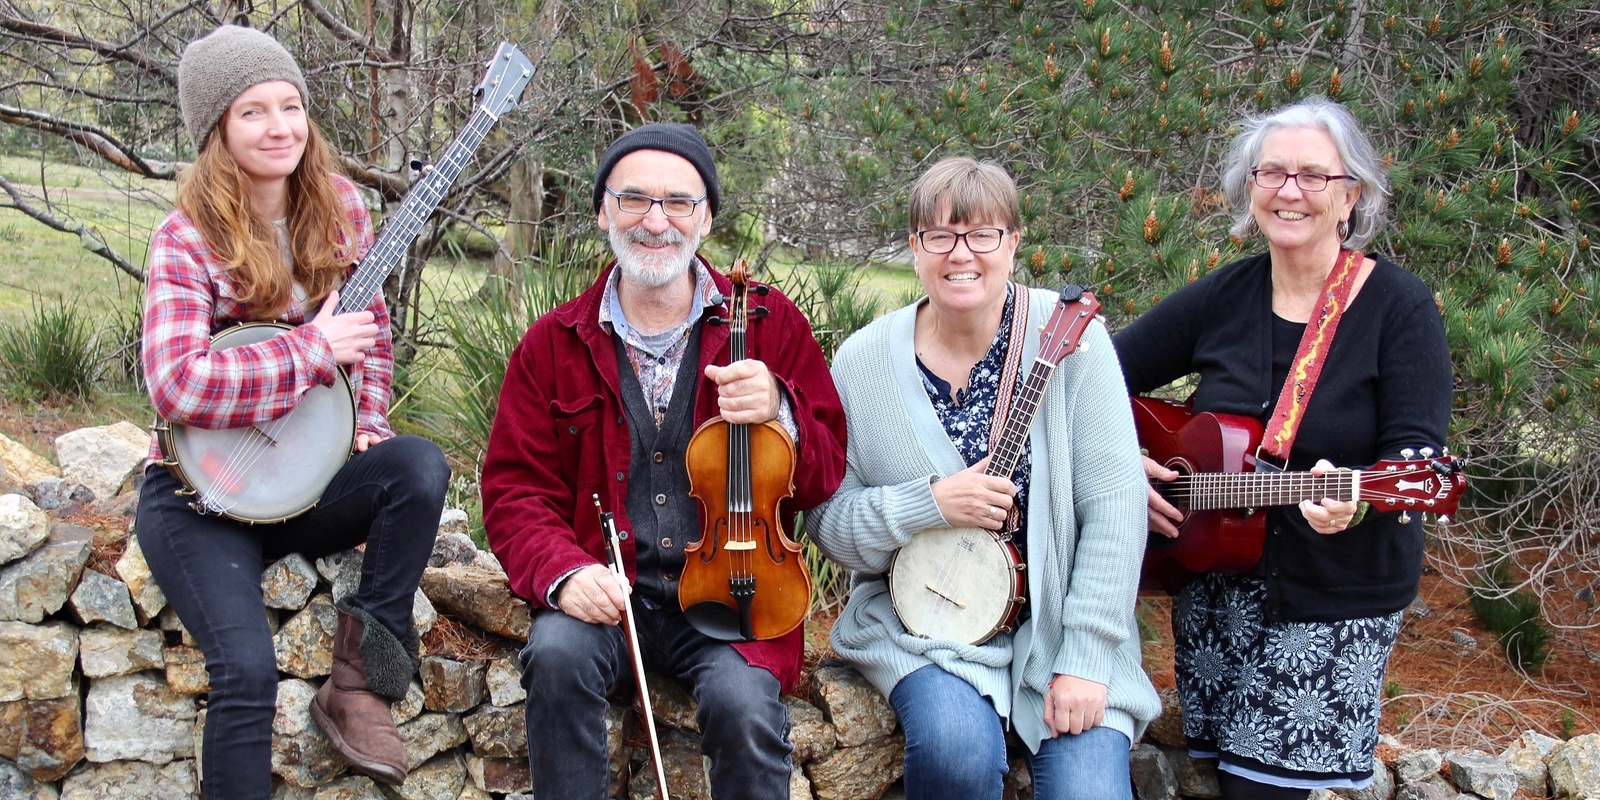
(715, 620)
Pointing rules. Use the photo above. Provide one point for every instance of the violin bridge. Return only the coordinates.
(751, 545)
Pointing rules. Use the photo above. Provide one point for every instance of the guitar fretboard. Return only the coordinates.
(405, 223)
(1217, 490)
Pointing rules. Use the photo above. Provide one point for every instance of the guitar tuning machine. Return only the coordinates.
(1427, 452)
(1407, 453)
(1405, 518)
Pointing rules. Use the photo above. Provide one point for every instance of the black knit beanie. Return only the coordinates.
(671, 137)
(218, 67)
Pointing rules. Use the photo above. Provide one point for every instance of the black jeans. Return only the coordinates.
(210, 570)
(569, 666)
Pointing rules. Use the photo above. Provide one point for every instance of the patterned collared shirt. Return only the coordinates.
(189, 296)
(656, 358)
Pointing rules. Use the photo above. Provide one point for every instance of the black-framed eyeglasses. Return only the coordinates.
(979, 240)
(635, 203)
(1307, 181)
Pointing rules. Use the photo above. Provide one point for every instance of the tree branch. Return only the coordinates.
(92, 137)
(91, 240)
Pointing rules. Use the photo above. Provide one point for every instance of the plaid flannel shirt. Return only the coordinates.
(189, 297)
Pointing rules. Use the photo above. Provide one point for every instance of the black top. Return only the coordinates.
(1385, 386)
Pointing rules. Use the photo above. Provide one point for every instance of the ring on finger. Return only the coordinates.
(994, 512)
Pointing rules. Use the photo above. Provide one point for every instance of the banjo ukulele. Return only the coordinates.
(278, 470)
(966, 584)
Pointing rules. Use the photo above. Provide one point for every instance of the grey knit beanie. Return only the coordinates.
(218, 67)
(670, 137)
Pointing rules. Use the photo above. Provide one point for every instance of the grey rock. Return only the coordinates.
(1481, 774)
(39, 660)
(22, 465)
(38, 584)
(1435, 788)
(408, 707)
(102, 598)
(1197, 777)
(102, 458)
(1167, 729)
(812, 735)
(105, 650)
(670, 703)
(453, 548)
(1153, 775)
(350, 787)
(132, 780)
(1381, 788)
(186, 669)
(500, 774)
(55, 494)
(799, 785)
(864, 770)
(343, 570)
(1575, 768)
(304, 645)
(23, 527)
(301, 755)
(423, 614)
(687, 771)
(503, 678)
(1416, 766)
(1526, 757)
(288, 582)
(479, 597)
(439, 779)
(857, 712)
(450, 685)
(497, 732)
(134, 572)
(136, 717)
(431, 734)
(17, 785)
(43, 737)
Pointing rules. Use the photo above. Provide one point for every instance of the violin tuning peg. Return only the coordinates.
(762, 289)
(760, 312)
(717, 299)
(1407, 453)
(715, 320)
(1405, 518)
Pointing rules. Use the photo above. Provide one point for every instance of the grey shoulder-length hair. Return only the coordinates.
(1360, 159)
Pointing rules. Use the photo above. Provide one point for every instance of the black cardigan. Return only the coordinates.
(1385, 386)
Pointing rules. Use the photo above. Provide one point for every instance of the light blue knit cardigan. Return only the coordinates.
(1086, 527)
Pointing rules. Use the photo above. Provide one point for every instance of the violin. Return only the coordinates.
(744, 579)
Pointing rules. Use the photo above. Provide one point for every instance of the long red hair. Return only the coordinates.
(214, 192)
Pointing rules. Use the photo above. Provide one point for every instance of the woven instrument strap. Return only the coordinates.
(1008, 379)
(1307, 365)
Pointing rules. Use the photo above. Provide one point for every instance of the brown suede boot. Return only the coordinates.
(355, 718)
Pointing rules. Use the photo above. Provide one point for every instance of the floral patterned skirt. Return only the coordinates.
(1284, 703)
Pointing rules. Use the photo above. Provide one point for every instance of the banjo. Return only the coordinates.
(966, 584)
(278, 470)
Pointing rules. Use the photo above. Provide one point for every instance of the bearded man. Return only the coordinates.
(600, 398)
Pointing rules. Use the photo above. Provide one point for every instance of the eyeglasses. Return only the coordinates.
(979, 240)
(1307, 181)
(635, 203)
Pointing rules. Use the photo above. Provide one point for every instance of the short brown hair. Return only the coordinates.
(971, 190)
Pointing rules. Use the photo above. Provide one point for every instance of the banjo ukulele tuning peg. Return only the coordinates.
(420, 166)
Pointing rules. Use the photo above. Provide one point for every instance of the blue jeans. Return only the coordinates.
(569, 666)
(956, 749)
(210, 570)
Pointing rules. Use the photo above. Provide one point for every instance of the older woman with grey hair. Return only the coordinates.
(1280, 671)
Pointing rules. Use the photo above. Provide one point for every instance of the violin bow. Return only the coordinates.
(608, 529)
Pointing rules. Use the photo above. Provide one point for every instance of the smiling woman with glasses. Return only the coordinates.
(921, 389)
(1316, 620)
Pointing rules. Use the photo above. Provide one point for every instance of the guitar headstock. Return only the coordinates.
(1060, 334)
(1430, 484)
(508, 74)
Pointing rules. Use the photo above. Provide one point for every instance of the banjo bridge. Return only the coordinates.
(947, 598)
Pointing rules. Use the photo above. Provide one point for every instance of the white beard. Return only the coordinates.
(651, 270)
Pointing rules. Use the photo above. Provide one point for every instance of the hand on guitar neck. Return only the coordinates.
(1326, 516)
(349, 335)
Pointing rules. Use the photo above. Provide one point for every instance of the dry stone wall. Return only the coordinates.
(102, 691)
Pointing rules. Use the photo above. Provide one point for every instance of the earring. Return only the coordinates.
(1344, 229)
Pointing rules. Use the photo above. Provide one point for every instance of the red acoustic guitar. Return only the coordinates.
(1221, 495)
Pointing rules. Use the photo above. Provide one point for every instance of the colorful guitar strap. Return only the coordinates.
(1308, 360)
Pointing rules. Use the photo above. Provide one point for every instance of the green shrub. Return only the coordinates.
(1515, 616)
(50, 355)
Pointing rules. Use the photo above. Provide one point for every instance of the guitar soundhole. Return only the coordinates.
(1177, 492)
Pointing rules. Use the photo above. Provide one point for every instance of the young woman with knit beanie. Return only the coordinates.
(265, 231)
